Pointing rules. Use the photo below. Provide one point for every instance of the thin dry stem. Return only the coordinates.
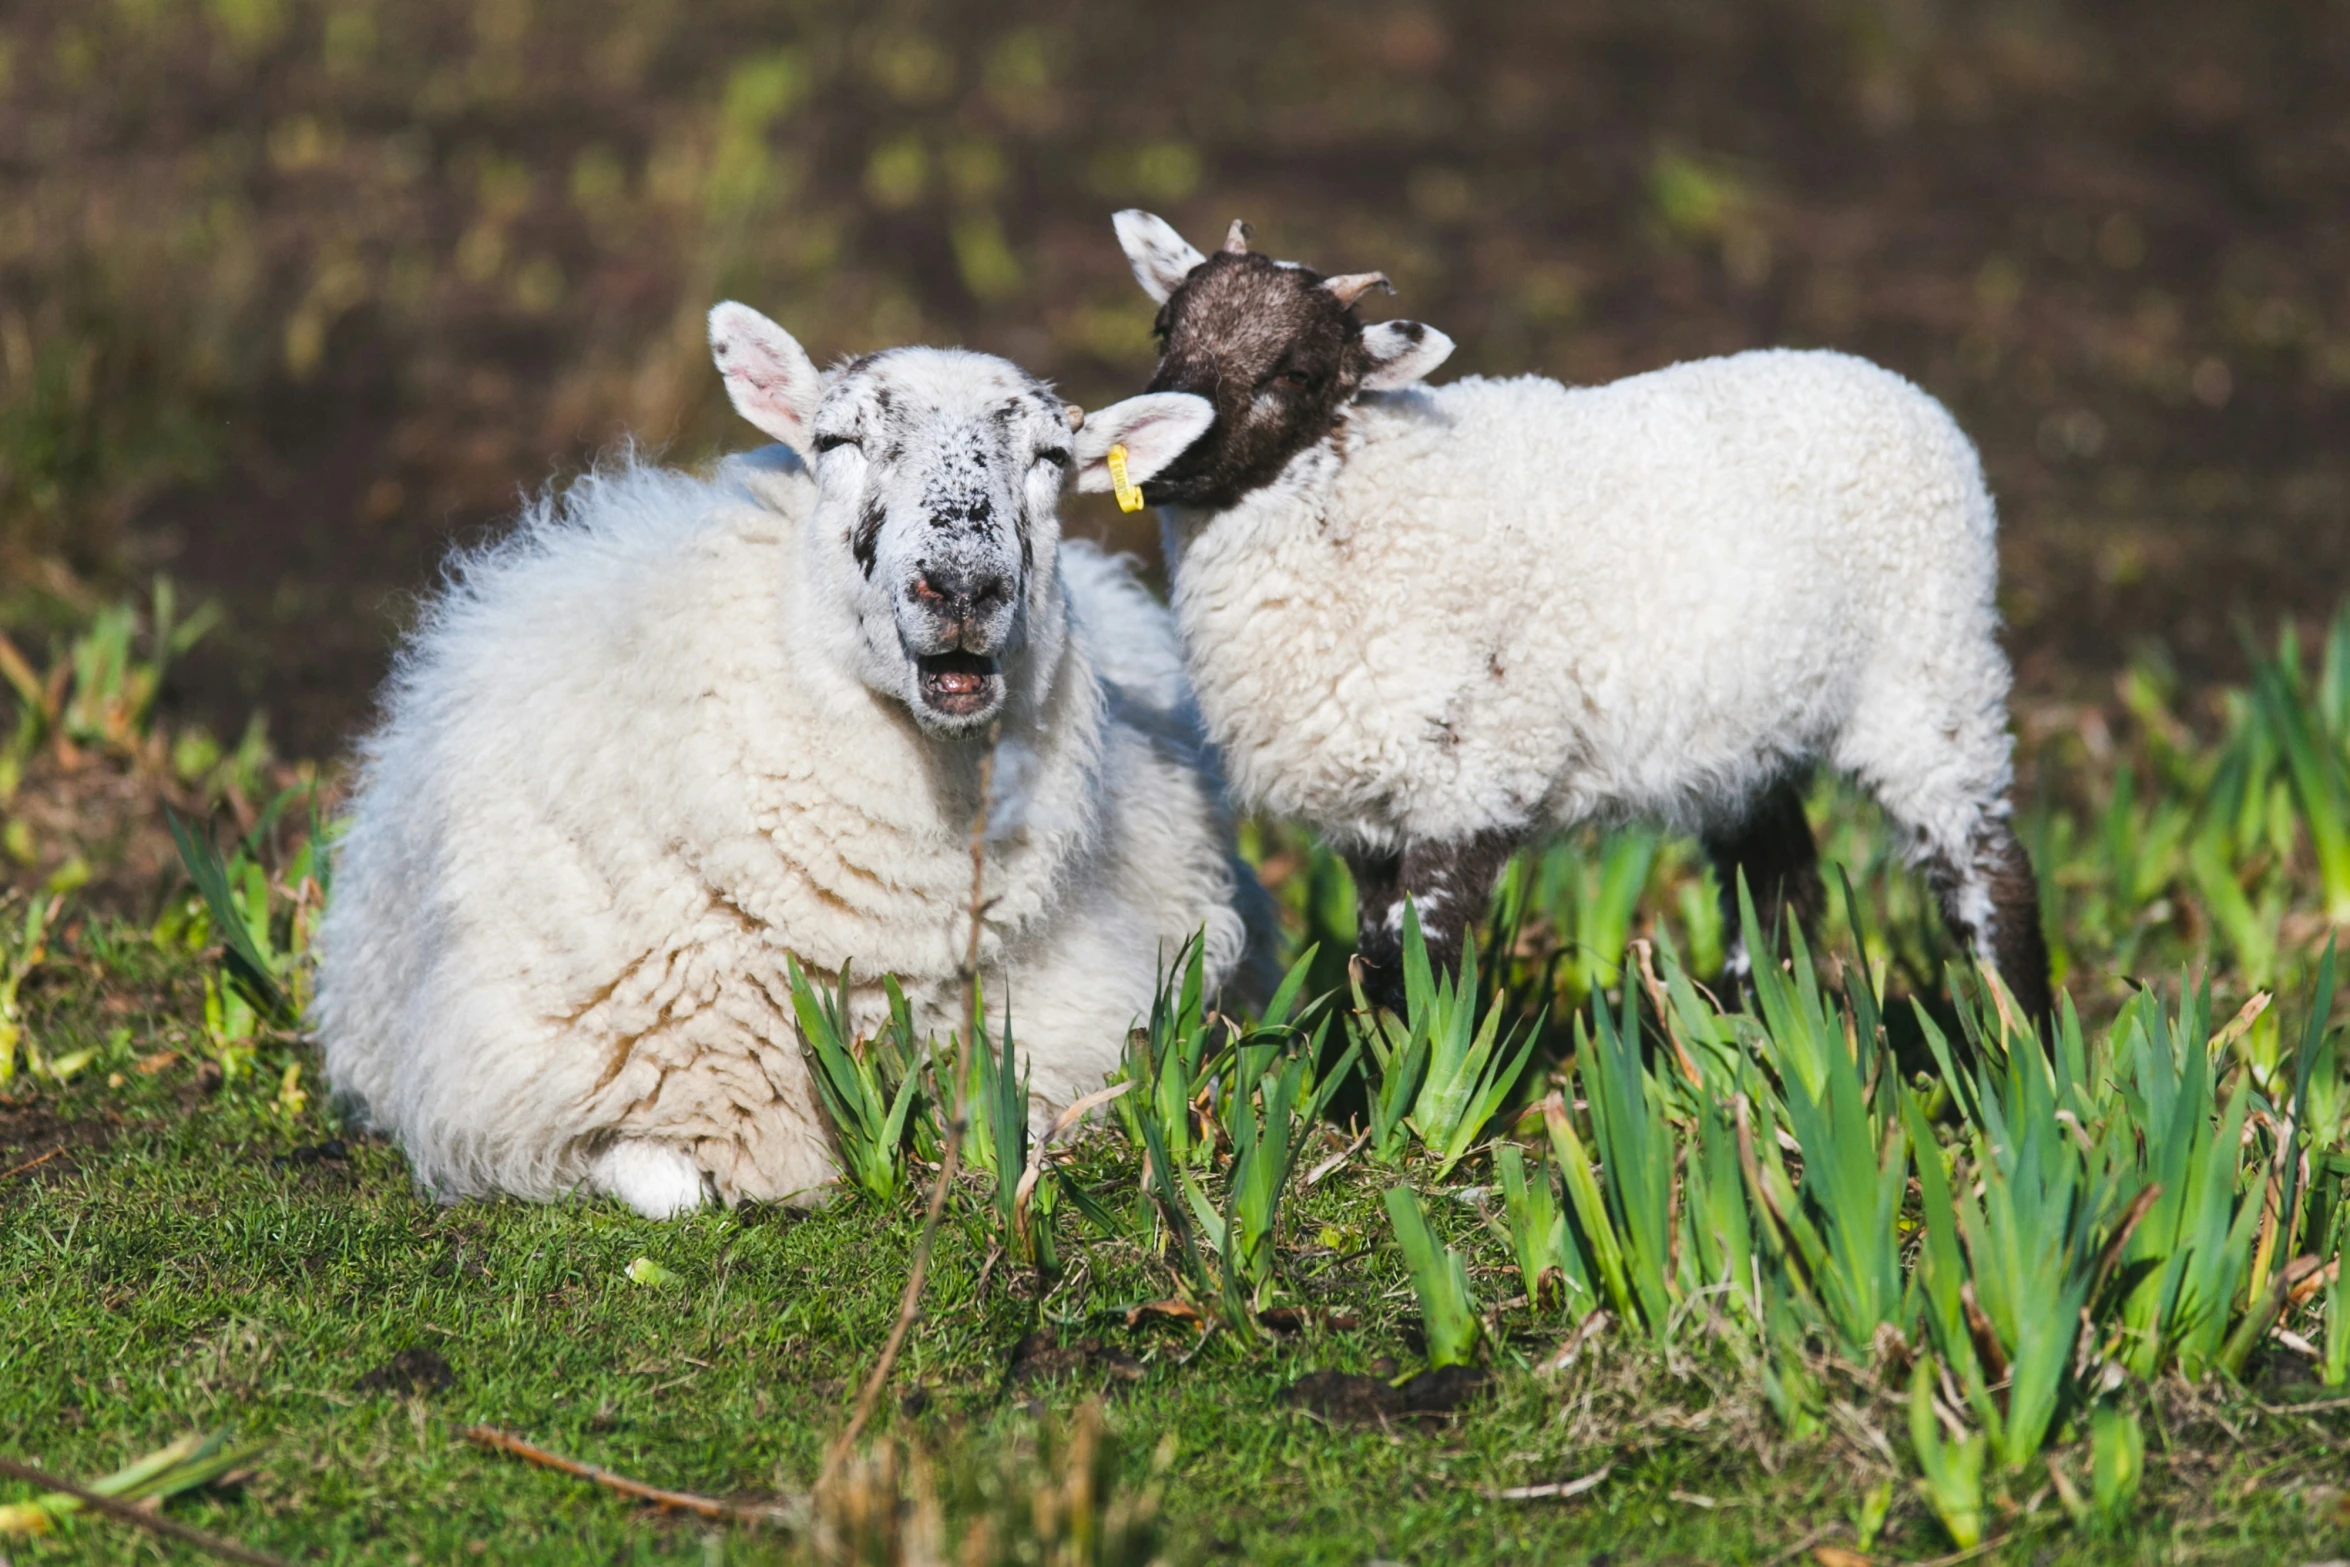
(683, 1501)
(918, 1274)
(1665, 1011)
(154, 1523)
(32, 1164)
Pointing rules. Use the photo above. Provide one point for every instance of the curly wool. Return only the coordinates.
(1511, 604)
(610, 793)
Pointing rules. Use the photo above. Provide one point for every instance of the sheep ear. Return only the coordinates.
(1155, 428)
(1401, 352)
(769, 377)
(1161, 258)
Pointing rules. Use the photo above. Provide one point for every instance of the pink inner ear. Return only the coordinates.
(760, 384)
(765, 384)
(767, 378)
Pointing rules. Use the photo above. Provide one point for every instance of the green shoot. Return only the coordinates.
(1630, 1205)
(868, 1122)
(1448, 1311)
(2317, 771)
(1268, 1132)
(2117, 1462)
(264, 925)
(194, 1460)
(1549, 1266)
(1170, 1061)
(1458, 1073)
(1952, 1478)
(1472, 1069)
(1869, 1514)
(23, 955)
(996, 1141)
(1398, 1063)
(2334, 1369)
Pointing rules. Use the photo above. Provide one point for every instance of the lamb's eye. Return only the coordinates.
(1055, 455)
(1295, 380)
(825, 443)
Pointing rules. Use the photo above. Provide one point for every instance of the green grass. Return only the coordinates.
(219, 1253)
(185, 1278)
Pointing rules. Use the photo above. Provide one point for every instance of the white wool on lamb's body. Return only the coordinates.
(1503, 604)
(614, 787)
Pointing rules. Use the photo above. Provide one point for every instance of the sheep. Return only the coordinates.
(677, 728)
(1437, 623)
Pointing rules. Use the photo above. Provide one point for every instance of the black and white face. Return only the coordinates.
(1278, 349)
(936, 525)
(947, 468)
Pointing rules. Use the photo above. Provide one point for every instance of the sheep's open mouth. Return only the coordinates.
(957, 684)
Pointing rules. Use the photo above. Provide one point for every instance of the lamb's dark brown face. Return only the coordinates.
(1274, 351)
(1275, 348)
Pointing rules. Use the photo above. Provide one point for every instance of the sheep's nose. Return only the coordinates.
(957, 592)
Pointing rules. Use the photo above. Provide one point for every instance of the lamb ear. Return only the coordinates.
(1402, 352)
(769, 377)
(1161, 258)
(1155, 428)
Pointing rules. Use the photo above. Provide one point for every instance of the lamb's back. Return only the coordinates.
(1744, 475)
(1524, 597)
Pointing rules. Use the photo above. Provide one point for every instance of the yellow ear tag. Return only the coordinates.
(1129, 493)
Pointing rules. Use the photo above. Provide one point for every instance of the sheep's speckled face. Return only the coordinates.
(1277, 348)
(941, 472)
(935, 538)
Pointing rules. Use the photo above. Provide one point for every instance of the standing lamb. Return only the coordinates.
(677, 727)
(1438, 622)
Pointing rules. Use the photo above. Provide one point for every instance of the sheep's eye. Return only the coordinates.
(825, 443)
(1055, 455)
(1295, 380)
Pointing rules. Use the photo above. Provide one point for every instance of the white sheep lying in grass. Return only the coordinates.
(676, 727)
(1436, 623)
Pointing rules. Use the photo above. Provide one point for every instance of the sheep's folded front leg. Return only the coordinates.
(659, 1180)
(1447, 883)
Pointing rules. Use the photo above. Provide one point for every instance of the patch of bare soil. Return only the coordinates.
(105, 815)
(319, 1166)
(99, 819)
(1351, 1398)
(36, 1144)
(1041, 1359)
(415, 1371)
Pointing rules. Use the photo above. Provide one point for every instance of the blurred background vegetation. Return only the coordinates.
(292, 292)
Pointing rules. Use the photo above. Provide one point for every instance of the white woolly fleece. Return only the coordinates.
(616, 783)
(1512, 604)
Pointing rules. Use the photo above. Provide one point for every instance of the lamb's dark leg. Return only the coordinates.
(1378, 888)
(1448, 885)
(1773, 846)
(1992, 903)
